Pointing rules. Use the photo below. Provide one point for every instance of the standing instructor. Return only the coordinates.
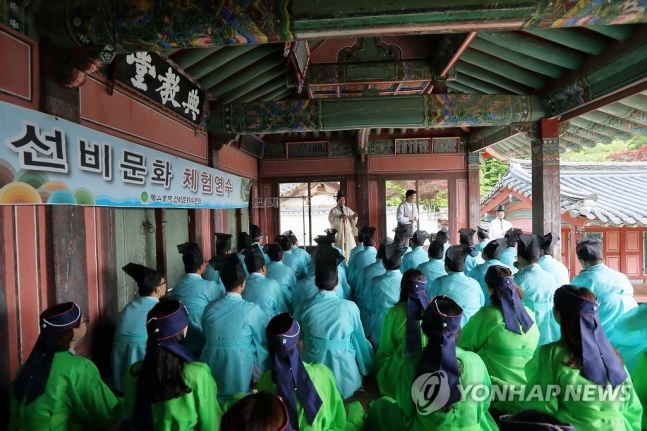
(343, 220)
(408, 216)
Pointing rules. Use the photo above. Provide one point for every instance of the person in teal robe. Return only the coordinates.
(263, 291)
(384, 293)
(332, 329)
(509, 255)
(443, 237)
(169, 389)
(589, 386)
(57, 390)
(474, 257)
(282, 274)
(364, 284)
(362, 259)
(629, 335)
(435, 266)
(290, 258)
(491, 254)
(503, 334)
(223, 248)
(418, 405)
(129, 345)
(613, 288)
(483, 236)
(548, 263)
(639, 378)
(195, 293)
(359, 247)
(417, 255)
(236, 347)
(456, 285)
(326, 242)
(257, 241)
(401, 334)
(244, 242)
(300, 253)
(308, 390)
(538, 287)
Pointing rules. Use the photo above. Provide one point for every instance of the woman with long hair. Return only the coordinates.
(57, 390)
(169, 390)
(503, 334)
(260, 411)
(594, 389)
(428, 393)
(401, 334)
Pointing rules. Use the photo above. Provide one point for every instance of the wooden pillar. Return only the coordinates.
(362, 193)
(546, 213)
(473, 190)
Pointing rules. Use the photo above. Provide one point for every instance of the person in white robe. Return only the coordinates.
(344, 221)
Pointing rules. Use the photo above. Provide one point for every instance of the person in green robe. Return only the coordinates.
(309, 391)
(428, 393)
(55, 389)
(401, 334)
(581, 376)
(639, 377)
(260, 411)
(503, 334)
(169, 389)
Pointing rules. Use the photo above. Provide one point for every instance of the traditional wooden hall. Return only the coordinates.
(129, 127)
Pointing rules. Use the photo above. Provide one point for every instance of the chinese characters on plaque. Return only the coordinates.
(149, 74)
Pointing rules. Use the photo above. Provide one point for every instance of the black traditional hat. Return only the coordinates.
(589, 248)
(467, 236)
(254, 259)
(331, 234)
(443, 235)
(494, 248)
(223, 243)
(368, 236)
(436, 250)
(232, 273)
(284, 241)
(340, 194)
(548, 242)
(512, 235)
(255, 232)
(323, 240)
(528, 247)
(290, 235)
(393, 255)
(274, 252)
(147, 279)
(326, 262)
(455, 257)
(244, 241)
(191, 254)
(482, 233)
(500, 208)
(420, 236)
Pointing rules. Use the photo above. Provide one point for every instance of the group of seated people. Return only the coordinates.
(485, 336)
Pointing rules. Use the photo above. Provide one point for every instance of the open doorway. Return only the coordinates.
(432, 202)
(304, 208)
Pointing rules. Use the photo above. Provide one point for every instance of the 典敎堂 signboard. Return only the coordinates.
(47, 160)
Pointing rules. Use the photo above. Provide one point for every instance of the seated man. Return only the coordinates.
(236, 347)
(435, 266)
(332, 330)
(417, 255)
(299, 253)
(548, 263)
(223, 248)
(195, 293)
(474, 257)
(290, 258)
(262, 291)
(509, 255)
(282, 274)
(363, 258)
(483, 236)
(459, 287)
(613, 289)
(362, 294)
(491, 254)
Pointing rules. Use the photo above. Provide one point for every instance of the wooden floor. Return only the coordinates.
(640, 293)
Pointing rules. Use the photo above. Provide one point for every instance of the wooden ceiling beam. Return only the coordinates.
(435, 111)
(222, 56)
(222, 71)
(245, 77)
(587, 42)
(485, 75)
(189, 57)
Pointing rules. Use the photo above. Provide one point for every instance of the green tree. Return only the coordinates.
(490, 172)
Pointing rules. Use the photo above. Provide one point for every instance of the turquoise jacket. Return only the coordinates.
(539, 288)
(478, 274)
(266, 293)
(285, 277)
(464, 290)
(413, 259)
(433, 269)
